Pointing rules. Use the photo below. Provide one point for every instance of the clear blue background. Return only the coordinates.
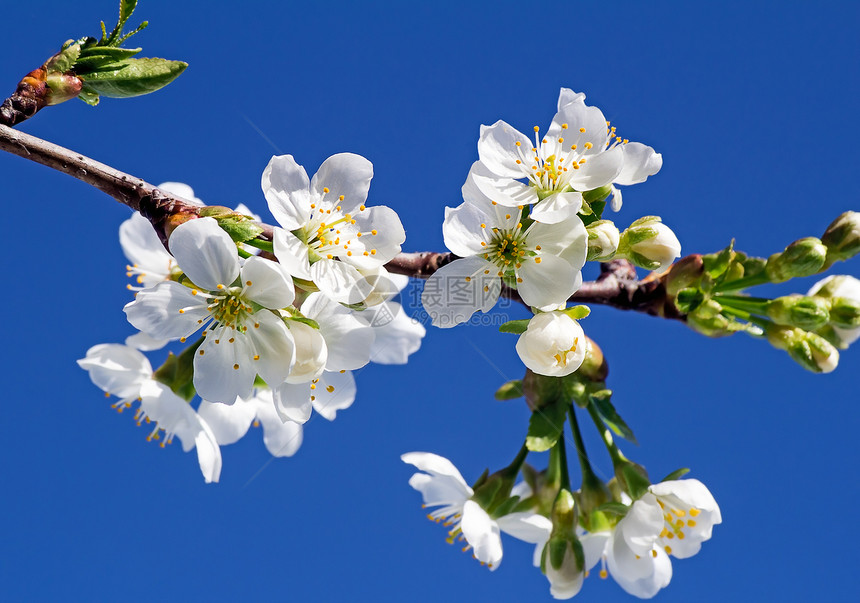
(754, 107)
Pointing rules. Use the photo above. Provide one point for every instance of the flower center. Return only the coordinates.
(229, 309)
(506, 248)
(330, 233)
(561, 356)
(676, 523)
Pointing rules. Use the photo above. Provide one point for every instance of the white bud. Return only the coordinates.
(840, 285)
(565, 581)
(661, 248)
(311, 352)
(603, 240)
(553, 344)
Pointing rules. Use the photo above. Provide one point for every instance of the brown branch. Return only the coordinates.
(617, 286)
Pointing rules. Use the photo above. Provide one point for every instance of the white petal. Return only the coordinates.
(272, 348)
(599, 170)
(557, 208)
(389, 233)
(617, 199)
(224, 369)
(292, 253)
(642, 525)
(396, 339)
(340, 281)
(462, 229)
(293, 402)
(483, 186)
(547, 283)
(333, 392)
(311, 352)
(498, 151)
(482, 533)
(567, 240)
(456, 291)
(208, 454)
(527, 526)
(156, 311)
(347, 338)
(579, 116)
(344, 174)
(282, 438)
(594, 547)
(144, 249)
(229, 422)
(117, 369)
(144, 342)
(438, 466)
(567, 96)
(285, 185)
(642, 576)
(206, 254)
(640, 161)
(182, 190)
(270, 286)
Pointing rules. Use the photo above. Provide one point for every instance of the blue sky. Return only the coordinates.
(754, 109)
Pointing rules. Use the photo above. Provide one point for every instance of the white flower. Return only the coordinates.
(672, 518)
(442, 485)
(240, 341)
(840, 285)
(328, 234)
(579, 152)
(126, 373)
(566, 580)
(603, 240)
(230, 422)
(543, 261)
(552, 345)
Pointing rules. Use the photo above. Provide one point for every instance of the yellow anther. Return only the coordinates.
(588, 145)
(236, 367)
(518, 161)
(537, 129)
(537, 260)
(181, 311)
(373, 232)
(694, 512)
(358, 234)
(680, 535)
(654, 553)
(340, 198)
(468, 279)
(564, 126)
(256, 356)
(325, 190)
(372, 252)
(519, 280)
(220, 286)
(691, 523)
(486, 288)
(182, 340)
(560, 139)
(582, 130)
(194, 292)
(507, 216)
(604, 574)
(679, 512)
(668, 549)
(329, 256)
(519, 144)
(330, 388)
(361, 208)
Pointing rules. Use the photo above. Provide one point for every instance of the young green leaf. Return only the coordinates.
(133, 77)
(515, 326)
(676, 474)
(545, 427)
(510, 390)
(607, 412)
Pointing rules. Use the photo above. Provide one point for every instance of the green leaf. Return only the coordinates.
(134, 77)
(607, 412)
(637, 484)
(676, 474)
(89, 97)
(510, 390)
(615, 508)
(65, 59)
(545, 427)
(108, 52)
(126, 7)
(240, 231)
(716, 263)
(515, 326)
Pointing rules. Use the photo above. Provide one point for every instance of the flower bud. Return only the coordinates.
(62, 87)
(709, 320)
(804, 257)
(553, 344)
(843, 293)
(563, 559)
(650, 244)
(810, 350)
(842, 237)
(685, 273)
(603, 239)
(594, 367)
(808, 313)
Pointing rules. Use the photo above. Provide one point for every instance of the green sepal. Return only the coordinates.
(177, 372)
(515, 326)
(506, 507)
(65, 59)
(603, 405)
(639, 235)
(545, 427)
(510, 390)
(541, 391)
(594, 202)
(90, 98)
(637, 484)
(308, 321)
(240, 229)
(577, 312)
(616, 508)
(717, 263)
(133, 77)
(597, 195)
(676, 474)
(689, 299)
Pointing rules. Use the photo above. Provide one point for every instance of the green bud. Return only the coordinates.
(708, 319)
(811, 351)
(842, 237)
(804, 257)
(685, 273)
(808, 313)
(62, 87)
(594, 367)
(649, 243)
(603, 240)
(845, 312)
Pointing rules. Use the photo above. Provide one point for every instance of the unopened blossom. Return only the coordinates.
(579, 152)
(650, 244)
(230, 423)
(566, 580)
(542, 261)
(844, 286)
(126, 373)
(243, 338)
(442, 485)
(328, 234)
(553, 344)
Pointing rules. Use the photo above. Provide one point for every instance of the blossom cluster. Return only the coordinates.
(633, 543)
(270, 341)
(531, 218)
